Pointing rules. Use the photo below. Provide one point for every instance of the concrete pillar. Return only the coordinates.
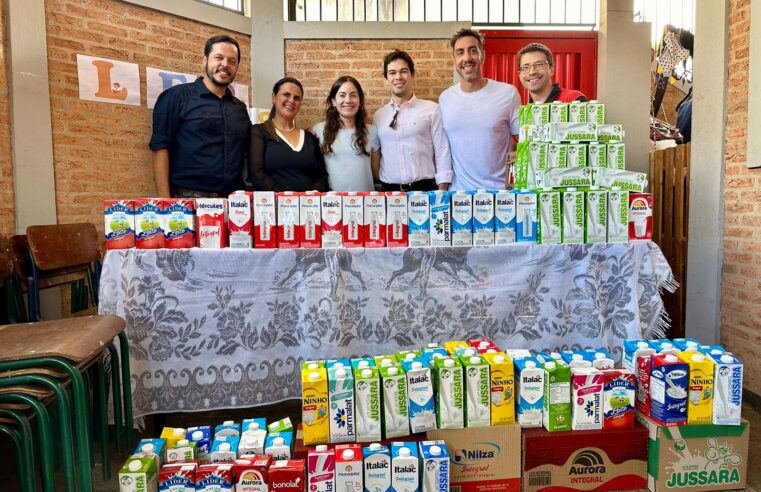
(267, 49)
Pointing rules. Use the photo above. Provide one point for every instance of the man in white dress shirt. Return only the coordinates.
(414, 148)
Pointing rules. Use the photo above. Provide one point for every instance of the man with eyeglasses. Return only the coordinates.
(536, 68)
(414, 148)
(480, 117)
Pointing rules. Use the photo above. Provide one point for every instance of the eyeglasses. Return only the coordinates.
(538, 66)
(393, 120)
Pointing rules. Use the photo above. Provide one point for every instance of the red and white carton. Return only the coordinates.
(332, 220)
(240, 223)
(250, 473)
(178, 477)
(349, 469)
(375, 219)
(119, 217)
(642, 397)
(620, 386)
(265, 223)
(288, 219)
(211, 215)
(321, 469)
(396, 219)
(353, 208)
(179, 216)
(149, 232)
(640, 216)
(214, 477)
(287, 476)
(310, 223)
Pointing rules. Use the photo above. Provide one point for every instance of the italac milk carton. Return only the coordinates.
(375, 220)
(619, 386)
(477, 391)
(349, 470)
(180, 477)
(529, 391)
(700, 387)
(201, 435)
(395, 401)
(376, 460)
(279, 445)
(119, 217)
(138, 475)
(573, 216)
(557, 397)
(618, 215)
(483, 218)
(214, 477)
(341, 404)
(321, 469)
(310, 221)
(586, 401)
(211, 222)
(728, 384)
(265, 222)
(396, 219)
(462, 218)
(550, 218)
(502, 388)
(435, 466)
(149, 232)
(596, 226)
(504, 217)
(448, 383)
(288, 222)
(250, 473)
(642, 363)
(405, 467)
(640, 216)
(368, 404)
(353, 219)
(240, 223)
(314, 406)
(287, 476)
(526, 216)
(441, 218)
(669, 377)
(332, 220)
(419, 218)
(422, 407)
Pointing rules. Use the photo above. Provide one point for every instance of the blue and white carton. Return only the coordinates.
(224, 449)
(441, 218)
(435, 466)
(728, 389)
(530, 390)
(462, 219)
(279, 445)
(422, 408)
(419, 218)
(483, 218)
(669, 383)
(526, 216)
(504, 217)
(377, 464)
(405, 467)
(227, 428)
(153, 447)
(201, 435)
(686, 344)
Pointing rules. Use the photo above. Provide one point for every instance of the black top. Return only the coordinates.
(275, 166)
(207, 137)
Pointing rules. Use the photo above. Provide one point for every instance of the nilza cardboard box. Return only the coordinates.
(611, 459)
(696, 457)
(483, 459)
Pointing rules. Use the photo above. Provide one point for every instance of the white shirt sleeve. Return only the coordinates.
(442, 156)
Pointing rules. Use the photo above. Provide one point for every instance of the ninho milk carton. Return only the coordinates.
(483, 218)
(288, 222)
(728, 384)
(310, 221)
(462, 219)
(353, 219)
(435, 459)
(529, 391)
(341, 404)
(502, 388)
(211, 222)
(240, 220)
(405, 467)
(314, 406)
(149, 223)
(368, 406)
(448, 384)
(419, 221)
(178, 477)
(332, 220)
(504, 217)
(441, 218)
(619, 386)
(557, 397)
(669, 378)
(349, 469)
(287, 476)
(321, 469)
(250, 473)
(119, 217)
(587, 398)
(700, 387)
(422, 408)
(396, 219)
(265, 222)
(395, 401)
(375, 220)
(376, 460)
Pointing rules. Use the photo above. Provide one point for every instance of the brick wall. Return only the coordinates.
(100, 150)
(741, 285)
(317, 64)
(7, 209)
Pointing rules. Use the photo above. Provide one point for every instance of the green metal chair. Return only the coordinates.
(22, 440)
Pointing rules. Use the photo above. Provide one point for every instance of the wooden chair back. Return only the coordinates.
(62, 246)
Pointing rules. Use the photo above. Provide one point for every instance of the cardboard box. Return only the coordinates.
(692, 458)
(483, 459)
(610, 459)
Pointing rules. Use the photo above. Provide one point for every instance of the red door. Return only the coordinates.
(575, 56)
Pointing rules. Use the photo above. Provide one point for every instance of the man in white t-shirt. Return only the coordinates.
(480, 118)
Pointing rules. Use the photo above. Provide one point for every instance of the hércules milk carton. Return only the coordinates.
(483, 218)
(149, 222)
(119, 217)
(332, 220)
(341, 404)
(240, 220)
(375, 219)
(441, 218)
(321, 469)
(462, 219)
(310, 221)
(314, 406)
(265, 222)
(529, 391)
(419, 221)
(376, 460)
(396, 418)
(504, 217)
(405, 467)
(728, 389)
(211, 222)
(353, 219)
(349, 470)
(288, 222)
(396, 219)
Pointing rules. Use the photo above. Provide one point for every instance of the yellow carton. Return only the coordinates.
(451, 346)
(502, 388)
(173, 435)
(700, 387)
(314, 406)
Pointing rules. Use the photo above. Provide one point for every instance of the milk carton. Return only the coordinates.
(180, 477)
(405, 467)
(422, 407)
(596, 227)
(353, 220)
(643, 368)
(558, 112)
(310, 220)
(403, 355)
(504, 217)
(462, 219)
(538, 163)
(448, 384)
(201, 435)
(321, 469)
(227, 428)
(557, 155)
(385, 360)
(618, 216)
(577, 112)
(153, 447)
(452, 346)
(550, 220)
(341, 404)
(610, 133)
(577, 155)
(211, 222)
(138, 475)
(287, 476)
(557, 397)
(395, 401)
(539, 114)
(252, 440)
(596, 112)
(435, 466)
(419, 218)
(314, 406)
(686, 344)
(149, 222)
(526, 216)
(256, 423)
(483, 218)
(349, 470)
(251, 473)
(396, 219)
(279, 445)
(171, 435)
(288, 222)
(619, 386)
(669, 378)
(477, 391)
(240, 220)
(375, 220)
(586, 410)
(573, 216)
(183, 451)
(502, 388)
(441, 218)
(377, 465)
(529, 391)
(616, 155)
(119, 217)
(700, 387)
(265, 222)
(215, 477)
(640, 216)
(224, 449)
(631, 348)
(711, 350)
(728, 384)
(282, 425)
(362, 363)
(368, 406)
(332, 220)
(597, 155)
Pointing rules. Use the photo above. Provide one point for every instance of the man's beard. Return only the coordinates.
(210, 76)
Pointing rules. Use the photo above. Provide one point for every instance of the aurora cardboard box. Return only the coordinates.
(609, 459)
(483, 459)
(691, 458)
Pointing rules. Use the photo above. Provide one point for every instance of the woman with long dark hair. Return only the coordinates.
(349, 144)
(283, 157)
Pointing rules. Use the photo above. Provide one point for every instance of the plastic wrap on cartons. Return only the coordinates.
(567, 132)
(568, 177)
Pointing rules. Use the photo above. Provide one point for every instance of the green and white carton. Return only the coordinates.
(367, 403)
(557, 155)
(596, 228)
(577, 154)
(577, 112)
(539, 114)
(450, 396)
(138, 475)
(531, 133)
(557, 397)
(596, 112)
(573, 216)
(537, 163)
(618, 215)
(477, 391)
(550, 220)
(616, 155)
(558, 112)
(626, 180)
(598, 155)
(610, 133)
(341, 404)
(567, 132)
(566, 177)
(395, 405)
